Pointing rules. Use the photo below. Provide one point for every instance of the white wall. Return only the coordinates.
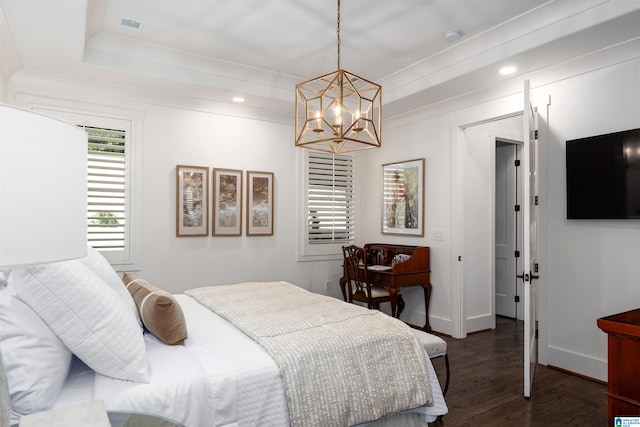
(3, 87)
(434, 134)
(430, 141)
(3, 79)
(192, 132)
(478, 206)
(9, 59)
(588, 269)
(593, 266)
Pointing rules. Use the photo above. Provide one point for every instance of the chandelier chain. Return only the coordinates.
(338, 30)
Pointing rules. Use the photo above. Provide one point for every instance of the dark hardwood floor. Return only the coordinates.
(486, 387)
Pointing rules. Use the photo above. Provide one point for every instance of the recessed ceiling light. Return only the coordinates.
(238, 99)
(509, 69)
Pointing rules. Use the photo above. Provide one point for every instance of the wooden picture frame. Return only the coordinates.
(227, 202)
(259, 203)
(192, 204)
(403, 198)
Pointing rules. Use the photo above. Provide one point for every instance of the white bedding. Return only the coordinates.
(219, 378)
(341, 364)
(244, 381)
(180, 390)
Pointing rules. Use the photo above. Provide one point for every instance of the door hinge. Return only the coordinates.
(535, 134)
(459, 257)
(535, 200)
(517, 208)
(517, 298)
(517, 162)
(517, 254)
(536, 336)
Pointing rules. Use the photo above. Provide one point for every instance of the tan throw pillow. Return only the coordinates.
(161, 314)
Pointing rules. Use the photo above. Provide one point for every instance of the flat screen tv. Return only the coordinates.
(603, 176)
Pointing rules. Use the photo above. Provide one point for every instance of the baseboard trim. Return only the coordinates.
(480, 323)
(582, 364)
(576, 374)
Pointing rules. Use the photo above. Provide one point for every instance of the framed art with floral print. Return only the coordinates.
(259, 203)
(192, 206)
(227, 202)
(403, 198)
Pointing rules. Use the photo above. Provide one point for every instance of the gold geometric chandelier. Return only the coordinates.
(338, 112)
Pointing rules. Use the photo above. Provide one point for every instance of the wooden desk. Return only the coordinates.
(623, 390)
(414, 272)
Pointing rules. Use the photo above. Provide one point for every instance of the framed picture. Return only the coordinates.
(227, 202)
(192, 206)
(259, 203)
(403, 198)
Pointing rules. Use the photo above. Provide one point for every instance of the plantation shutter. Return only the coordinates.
(331, 213)
(106, 188)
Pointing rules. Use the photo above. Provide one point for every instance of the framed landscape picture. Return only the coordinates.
(227, 202)
(192, 206)
(259, 203)
(403, 198)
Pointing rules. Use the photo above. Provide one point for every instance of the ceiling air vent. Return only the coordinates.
(130, 26)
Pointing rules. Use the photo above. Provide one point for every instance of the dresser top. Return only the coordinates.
(626, 323)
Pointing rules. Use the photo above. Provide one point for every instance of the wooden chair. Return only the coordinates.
(358, 287)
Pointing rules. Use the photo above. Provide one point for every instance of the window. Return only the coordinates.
(106, 188)
(329, 202)
(112, 169)
(330, 198)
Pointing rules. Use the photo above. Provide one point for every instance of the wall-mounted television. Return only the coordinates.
(603, 176)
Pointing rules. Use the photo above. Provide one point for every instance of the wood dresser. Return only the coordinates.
(623, 392)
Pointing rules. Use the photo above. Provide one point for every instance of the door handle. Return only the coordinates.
(526, 277)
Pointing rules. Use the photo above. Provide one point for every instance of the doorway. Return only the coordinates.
(489, 270)
(508, 229)
(474, 210)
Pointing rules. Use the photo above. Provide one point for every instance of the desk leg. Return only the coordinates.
(427, 297)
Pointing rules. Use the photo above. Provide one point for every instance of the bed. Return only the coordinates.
(88, 341)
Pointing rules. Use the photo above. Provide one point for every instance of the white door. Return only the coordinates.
(477, 228)
(505, 229)
(530, 259)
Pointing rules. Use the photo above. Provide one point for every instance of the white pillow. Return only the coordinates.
(36, 362)
(87, 315)
(99, 265)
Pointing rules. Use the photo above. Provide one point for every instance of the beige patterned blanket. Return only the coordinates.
(341, 364)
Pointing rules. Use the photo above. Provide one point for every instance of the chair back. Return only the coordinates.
(355, 266)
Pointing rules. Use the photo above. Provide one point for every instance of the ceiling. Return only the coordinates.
(260, 49)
